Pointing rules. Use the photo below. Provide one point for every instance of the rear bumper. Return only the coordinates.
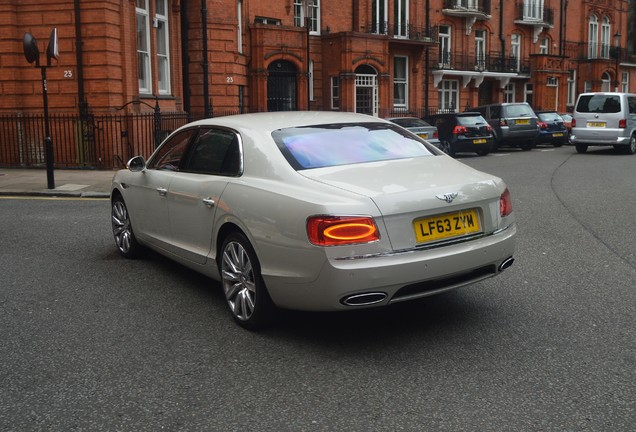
(468, 145)
(596, 138)
(400, 276)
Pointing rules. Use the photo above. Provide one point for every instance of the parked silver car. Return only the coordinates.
(604, 119)
(313, 211)
(419, 127)
(513, 124)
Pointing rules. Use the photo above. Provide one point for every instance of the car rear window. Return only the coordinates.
(606, 104)
(471, 120)
(549, 117)
(410, 122)
(518, 111)
(329, 145)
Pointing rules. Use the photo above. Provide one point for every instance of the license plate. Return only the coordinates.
(522, 121)
(479, 141)
(596, 124)
(446, 226)
(423, 135)
(558, 134)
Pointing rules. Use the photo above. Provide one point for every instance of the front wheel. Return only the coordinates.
(581, 148)
(125, 240)
(243, 285)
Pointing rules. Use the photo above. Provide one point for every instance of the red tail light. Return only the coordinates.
(489, 128)
(542, 125)
(573, 123)
(341, 230)
(503, 122)
(622, 123)
(505, 203)
(435, 134)
(459, 130)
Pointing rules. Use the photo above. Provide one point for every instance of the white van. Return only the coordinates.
(603, 119)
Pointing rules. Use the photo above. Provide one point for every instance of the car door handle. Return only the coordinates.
(209, 202)
(162, 191)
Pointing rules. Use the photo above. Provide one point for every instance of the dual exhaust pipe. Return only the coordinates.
(371, 298)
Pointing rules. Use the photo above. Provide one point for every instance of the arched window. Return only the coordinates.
(605, 38)
(592, 49)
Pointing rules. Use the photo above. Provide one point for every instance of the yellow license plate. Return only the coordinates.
(558, 134)
(446, 226)
(423, 135)
(596, 124)
(522, 121)
(479, 141)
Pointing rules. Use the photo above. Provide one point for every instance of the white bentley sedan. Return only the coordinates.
(313, 211)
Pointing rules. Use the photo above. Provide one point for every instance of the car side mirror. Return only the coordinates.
(136, 164)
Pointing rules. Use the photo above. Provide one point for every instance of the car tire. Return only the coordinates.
(125, 239)
(447, 148)
(243, 286)
(528, 146)
(631, 148)
(482, 152)
(581, 148)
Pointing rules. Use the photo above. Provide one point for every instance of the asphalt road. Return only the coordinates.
(91, 341)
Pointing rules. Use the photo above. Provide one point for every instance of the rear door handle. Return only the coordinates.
(162, 191)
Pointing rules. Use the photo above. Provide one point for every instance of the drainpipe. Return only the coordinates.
(185, 62)
(426, 59)
(206, 84)
(81, 96)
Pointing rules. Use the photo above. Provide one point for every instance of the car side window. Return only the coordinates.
(495, 112)
(169, 155)
(632, 104)
(215, 151)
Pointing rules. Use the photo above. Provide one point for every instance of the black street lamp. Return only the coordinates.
(617, 55)
(307, 13)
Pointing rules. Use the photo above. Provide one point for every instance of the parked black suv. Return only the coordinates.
(463, 132)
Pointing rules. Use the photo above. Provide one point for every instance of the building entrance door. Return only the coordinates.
(366, 90)
(282, 86)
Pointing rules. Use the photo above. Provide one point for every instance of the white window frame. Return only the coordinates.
(163, 59)
(528, 91)
(335, 92)
(533, 10)
(571, 89)
(143, 56)
(592, 49)
(515, 49)
(605, 38)
(314, 15)
(380, 17)
(544, 46)
(606, 82)
(587, 86)
(444, 45)
(401, 10)
(239, 27)
(509, 92)
(448, 94)
(402, 82)
(625, 82)
(480, 49)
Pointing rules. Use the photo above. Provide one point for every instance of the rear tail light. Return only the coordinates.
(489, 128)
(505, 204)
(573, 123)
(435, 134)
(341, 230)
(542, 125)
(622, 123)
(503, 122)
(459, 130)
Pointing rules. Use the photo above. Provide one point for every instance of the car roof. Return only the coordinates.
(271, 121)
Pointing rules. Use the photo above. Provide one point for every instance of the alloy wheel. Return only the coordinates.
(121, 227)
(239, 283)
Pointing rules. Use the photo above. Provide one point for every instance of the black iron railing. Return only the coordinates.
(487, 62)
(404, 31)
(482, 6)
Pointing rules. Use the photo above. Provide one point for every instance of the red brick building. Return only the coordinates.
(214, 57)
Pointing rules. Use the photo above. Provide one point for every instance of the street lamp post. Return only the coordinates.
(617, 55)
(307, 13)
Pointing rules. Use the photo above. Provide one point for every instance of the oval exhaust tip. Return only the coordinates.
(506, 264)
(365, 299)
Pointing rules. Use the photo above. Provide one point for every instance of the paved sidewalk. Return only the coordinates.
(84, 183)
